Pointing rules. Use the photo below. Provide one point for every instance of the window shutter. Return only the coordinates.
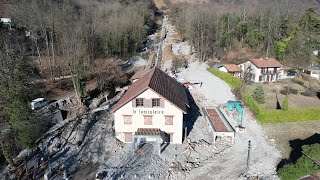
(145, 102)
(261, 70)
(161, 103)
(149, 103)
(134, 104)
(274, 70)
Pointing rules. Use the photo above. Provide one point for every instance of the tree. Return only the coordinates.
(285, 104)
(258, 95)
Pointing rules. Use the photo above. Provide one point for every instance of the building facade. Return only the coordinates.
(262, 70)
(154, 101)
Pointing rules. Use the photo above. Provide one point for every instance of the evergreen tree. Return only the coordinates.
(258, 95)
(285, 104)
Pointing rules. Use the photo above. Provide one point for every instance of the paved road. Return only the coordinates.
(212, 87)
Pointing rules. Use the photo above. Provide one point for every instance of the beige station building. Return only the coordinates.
(152, 109)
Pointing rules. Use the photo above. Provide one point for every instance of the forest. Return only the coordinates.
(286, 30)
(50, 39)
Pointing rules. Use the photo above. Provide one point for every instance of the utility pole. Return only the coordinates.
(248, 157)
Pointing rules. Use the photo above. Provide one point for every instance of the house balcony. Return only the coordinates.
(270, 72)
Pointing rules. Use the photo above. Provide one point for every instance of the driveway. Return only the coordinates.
(212, 87)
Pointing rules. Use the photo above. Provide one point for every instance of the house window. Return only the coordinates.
(127, 136)
(147, 120)
(169, 120)
(155, 102)
(139, 102)
(127, 119)
(273, 77)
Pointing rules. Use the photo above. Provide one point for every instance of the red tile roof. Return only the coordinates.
(216, 121)
(261, 63)
(232, 67)
(159, 82)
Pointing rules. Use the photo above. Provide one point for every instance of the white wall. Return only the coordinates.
(222, 68)
(315, 75)
(158, 120)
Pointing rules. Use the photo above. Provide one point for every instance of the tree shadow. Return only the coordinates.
(296, 149)
(278, 104)
(192, 115)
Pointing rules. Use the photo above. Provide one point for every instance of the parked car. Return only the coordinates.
(292, 74)
(38, 103)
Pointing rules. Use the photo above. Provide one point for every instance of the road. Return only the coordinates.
(212, 87)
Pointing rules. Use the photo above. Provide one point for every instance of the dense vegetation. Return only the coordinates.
(289, 31)
(305, 165)
(58, 38)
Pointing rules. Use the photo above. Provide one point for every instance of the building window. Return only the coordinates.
(127, 119)
(155, 102)
(127, 136)
(273, 77)
(139, 102)
(169, 120)
(147, 120)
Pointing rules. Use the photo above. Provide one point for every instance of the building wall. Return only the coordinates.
(222, 68)
(158, 118)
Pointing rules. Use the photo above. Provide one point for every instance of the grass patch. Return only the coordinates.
(304, 165)
(277, 116)
(232, 81)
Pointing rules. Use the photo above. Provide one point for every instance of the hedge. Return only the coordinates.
(277, 116)
(232, 81)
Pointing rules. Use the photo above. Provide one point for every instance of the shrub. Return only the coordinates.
(309, 93)
(303, 166)
(292, 71)
(306, 77)
(285, 104)
(258, 95)
(299, 81)
(232, 81)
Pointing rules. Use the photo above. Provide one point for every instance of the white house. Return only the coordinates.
(262, 70)
(232, 69)
(154, 103)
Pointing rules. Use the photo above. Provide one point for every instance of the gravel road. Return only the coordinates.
(212, 87)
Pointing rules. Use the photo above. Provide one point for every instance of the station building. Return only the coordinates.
(151, 109)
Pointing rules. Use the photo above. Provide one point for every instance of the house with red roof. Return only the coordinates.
(154, 104)
(262, 70)
(232, 69)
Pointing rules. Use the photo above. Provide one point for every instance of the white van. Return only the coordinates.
(38, 103)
